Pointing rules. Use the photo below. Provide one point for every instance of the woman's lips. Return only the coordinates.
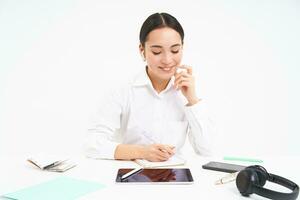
(166, 69)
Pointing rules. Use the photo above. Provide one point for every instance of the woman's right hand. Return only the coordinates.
(158, 152)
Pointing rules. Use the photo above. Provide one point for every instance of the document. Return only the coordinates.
(173, 161)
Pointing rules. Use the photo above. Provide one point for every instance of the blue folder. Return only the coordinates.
(62, 188)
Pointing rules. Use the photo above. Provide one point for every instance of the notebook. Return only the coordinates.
(173, 161)
(51, 163)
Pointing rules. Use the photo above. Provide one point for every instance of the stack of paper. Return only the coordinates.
(51, 163)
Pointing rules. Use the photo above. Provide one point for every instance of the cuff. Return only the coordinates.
(109, 149)
(197, 111)
(105, 150)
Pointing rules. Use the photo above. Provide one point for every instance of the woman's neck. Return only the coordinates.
(158, 84)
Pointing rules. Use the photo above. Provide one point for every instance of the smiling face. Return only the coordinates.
(163, 53)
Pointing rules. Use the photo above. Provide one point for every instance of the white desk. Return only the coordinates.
(16, 173)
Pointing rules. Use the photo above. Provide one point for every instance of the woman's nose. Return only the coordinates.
(167, 59)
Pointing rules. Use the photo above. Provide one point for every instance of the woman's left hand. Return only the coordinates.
(185, 81)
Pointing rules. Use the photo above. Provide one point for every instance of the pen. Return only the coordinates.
(226, 179)
(242, 159)
(131, 173)
(54, 164)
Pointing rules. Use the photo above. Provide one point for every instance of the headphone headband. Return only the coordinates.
(278, 195)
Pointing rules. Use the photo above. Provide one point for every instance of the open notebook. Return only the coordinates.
(51, 163)
(173, 161)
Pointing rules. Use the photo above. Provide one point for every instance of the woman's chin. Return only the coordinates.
(166, 76)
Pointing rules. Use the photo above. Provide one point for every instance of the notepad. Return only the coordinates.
(51, 163)
(62, 188)
(173, 161)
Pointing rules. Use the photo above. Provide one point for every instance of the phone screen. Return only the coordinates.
(223, 167)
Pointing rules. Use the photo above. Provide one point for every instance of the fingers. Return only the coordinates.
(163, 152)
(184, 83)
(170, 149)
(183, 79)
(159, 158)
(182, 73)
(188, 69)
(166, 149)
(159, 152)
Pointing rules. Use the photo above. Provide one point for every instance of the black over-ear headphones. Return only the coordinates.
(252, 179)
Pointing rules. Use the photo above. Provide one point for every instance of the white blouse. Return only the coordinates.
(137, 114)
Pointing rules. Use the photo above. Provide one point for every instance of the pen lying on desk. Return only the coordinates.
(131, 173)
(242, 159)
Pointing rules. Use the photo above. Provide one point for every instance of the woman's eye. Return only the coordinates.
(175, 51)
(155, 53)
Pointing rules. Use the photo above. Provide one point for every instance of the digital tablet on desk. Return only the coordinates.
(156, 176)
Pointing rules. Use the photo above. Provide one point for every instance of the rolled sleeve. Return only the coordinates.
(99, 148)
(201, 128)
(104, 129)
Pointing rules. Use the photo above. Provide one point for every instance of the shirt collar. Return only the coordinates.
(142, 79)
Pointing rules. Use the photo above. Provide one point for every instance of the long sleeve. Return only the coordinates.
(201, 128)
(101, 140)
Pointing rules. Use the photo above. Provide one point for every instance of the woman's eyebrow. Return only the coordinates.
(175, 45)
(158, 46)
(155, 46)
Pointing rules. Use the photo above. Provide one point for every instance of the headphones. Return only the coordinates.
(252, 179)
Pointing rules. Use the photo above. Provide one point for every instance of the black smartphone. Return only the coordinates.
(223, 167)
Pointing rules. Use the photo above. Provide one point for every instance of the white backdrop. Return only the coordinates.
(58, 60)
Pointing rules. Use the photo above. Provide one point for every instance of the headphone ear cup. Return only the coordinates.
(262, 174)
(245, 181)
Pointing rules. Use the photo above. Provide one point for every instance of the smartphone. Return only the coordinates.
(223, 167)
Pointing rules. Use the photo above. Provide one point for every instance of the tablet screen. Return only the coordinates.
(177, 175)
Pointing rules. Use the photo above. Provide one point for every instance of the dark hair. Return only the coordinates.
(159, 20)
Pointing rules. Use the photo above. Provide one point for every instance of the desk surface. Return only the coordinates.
(16, 173)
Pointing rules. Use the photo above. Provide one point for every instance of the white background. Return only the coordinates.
(59, 59)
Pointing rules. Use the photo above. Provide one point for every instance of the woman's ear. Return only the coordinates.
(142, 52)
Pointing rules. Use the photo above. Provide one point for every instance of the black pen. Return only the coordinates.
(131, 173)
(54, 164)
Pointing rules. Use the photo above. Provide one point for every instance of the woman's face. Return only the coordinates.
(163, 53)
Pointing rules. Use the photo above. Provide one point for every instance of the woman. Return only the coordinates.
(150, 118)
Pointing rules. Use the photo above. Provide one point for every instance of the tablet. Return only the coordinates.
(157, 176)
